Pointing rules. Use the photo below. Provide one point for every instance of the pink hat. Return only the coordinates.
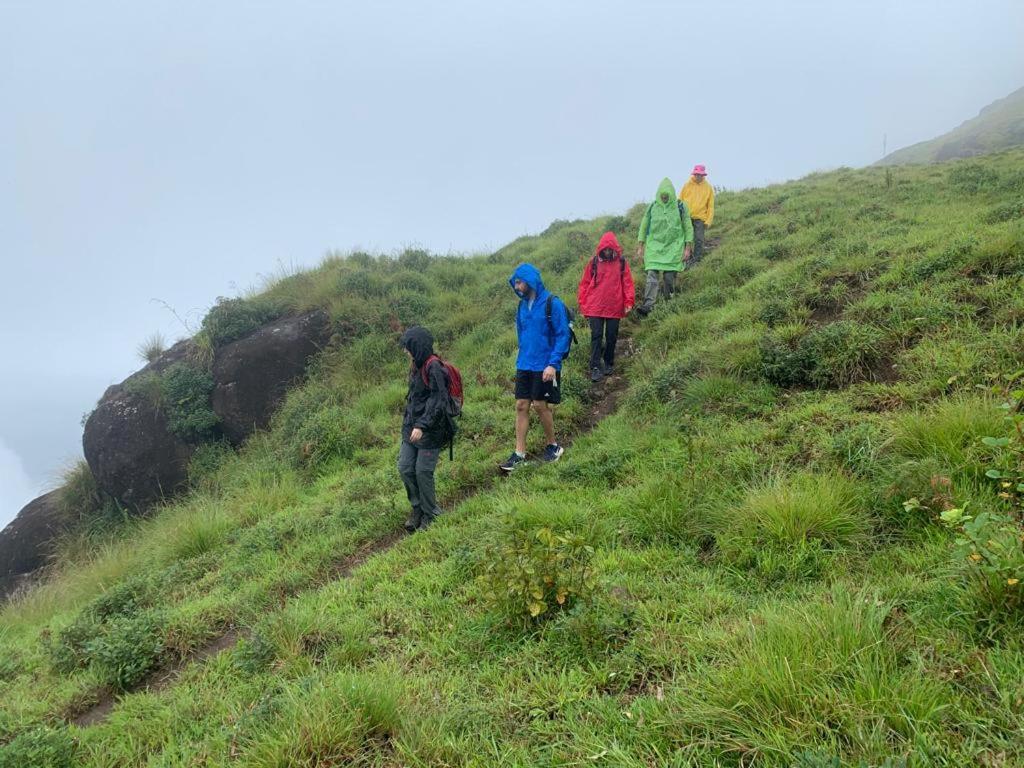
(698, 170)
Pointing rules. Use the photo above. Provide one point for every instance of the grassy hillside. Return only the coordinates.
(746, 563)
(998, 126)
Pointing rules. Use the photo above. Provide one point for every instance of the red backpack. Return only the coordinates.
(454, 382)
(454, 409)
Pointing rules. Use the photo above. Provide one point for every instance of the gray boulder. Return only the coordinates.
(252, 375)
(132, 453)
(26, 541)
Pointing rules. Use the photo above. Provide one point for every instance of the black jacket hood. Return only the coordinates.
(420, 344)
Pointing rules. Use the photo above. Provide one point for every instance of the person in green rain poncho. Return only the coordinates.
(664, 242)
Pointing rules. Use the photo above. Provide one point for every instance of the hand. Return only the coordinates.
(549, 374)
(416, 435)
(640, 251)
(628, 310)
(687, 250)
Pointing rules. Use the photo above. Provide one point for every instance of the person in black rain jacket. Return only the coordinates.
(425, 428)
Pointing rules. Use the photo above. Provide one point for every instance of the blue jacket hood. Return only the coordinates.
(530, 275)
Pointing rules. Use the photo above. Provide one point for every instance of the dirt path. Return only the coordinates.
(608, 392)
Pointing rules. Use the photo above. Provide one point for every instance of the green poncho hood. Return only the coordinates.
(665, 230)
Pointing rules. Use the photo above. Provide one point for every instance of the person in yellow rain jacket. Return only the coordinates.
(699, 196)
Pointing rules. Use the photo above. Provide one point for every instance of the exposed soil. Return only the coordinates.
(608, 392)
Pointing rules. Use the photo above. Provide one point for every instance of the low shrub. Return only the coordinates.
(972, 178)
(186, 402)
(231, 319)
(990, 552)
(1005, 212)
(127, 650)
(535, 572)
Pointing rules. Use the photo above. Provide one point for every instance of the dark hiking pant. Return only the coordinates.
(416, 466)
(604, 333)
(698, 241)
(653, 286)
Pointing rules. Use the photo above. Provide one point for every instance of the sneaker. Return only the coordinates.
(607, 368)
(553, 452)
(596, 374)
(512, 462)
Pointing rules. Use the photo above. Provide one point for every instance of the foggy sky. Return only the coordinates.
(179, 151)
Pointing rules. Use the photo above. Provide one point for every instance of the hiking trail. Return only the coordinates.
(608, 392)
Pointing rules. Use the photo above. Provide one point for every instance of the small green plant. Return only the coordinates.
(1009, 450)
(186, 394)
(127, 650)
(150, 350)
(535, 572)
(231, 319)
(990, 548)
(40, 748)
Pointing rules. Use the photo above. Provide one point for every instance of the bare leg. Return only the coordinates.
(547, 419)
(522, 424)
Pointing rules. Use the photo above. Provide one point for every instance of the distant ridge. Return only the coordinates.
(998, 126)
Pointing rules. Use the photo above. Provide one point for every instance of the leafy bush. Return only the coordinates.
(127, 649)
(186, 400)
(40, 748)
(617, 224)
(535, 572)
(1009, 455)
(415, 259)
(231, 319)
(784, 360)
(69, 651)
(990, 551)
(1005, 212)
(972, 178)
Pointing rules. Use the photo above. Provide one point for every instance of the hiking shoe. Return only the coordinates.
(512, 462)
(607, 368)
(425, 521)
(641, 312)
(414, 521)
(596, 374)
(553, 452)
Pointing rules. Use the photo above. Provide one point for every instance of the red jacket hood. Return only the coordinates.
(609, 240)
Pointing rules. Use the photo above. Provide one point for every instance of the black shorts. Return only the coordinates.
(530, 385)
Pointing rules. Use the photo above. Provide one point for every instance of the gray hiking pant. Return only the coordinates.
(698, 241)
(651, 288)
(416, 466)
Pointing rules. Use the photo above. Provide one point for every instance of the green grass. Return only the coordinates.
(762, 597)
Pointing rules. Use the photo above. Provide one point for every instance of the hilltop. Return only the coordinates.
(788, 534)
(998, 126)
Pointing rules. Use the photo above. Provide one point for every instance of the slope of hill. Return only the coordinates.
(749, 547)
(998, 126)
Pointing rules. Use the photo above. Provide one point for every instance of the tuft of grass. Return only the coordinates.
(149, 351)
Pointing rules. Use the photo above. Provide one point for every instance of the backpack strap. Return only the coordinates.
(426, 365)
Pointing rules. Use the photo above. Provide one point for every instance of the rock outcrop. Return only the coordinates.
(25, 542)
(128, 445)
(253, 374)
(132, 454)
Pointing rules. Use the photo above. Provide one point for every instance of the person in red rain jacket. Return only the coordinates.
(605, 295)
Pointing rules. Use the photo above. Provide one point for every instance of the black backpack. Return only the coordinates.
(571, 316)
